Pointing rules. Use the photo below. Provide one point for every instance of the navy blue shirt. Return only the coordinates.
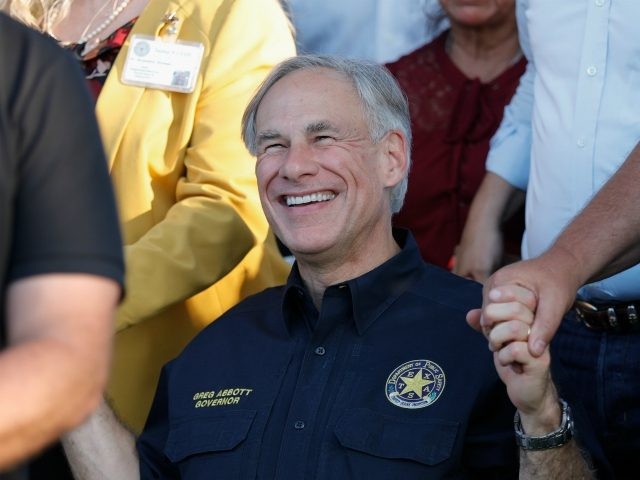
(386, 381)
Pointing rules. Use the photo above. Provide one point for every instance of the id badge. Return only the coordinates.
(166, 65)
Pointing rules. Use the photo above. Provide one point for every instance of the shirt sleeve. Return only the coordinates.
(65, 217)
(216, 220)
(510, 148)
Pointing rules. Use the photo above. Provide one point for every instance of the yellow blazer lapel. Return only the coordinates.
(117, 101)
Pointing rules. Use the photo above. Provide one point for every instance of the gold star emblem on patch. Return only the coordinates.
(415, 383)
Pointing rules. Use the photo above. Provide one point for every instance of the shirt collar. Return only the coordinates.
(371, 293)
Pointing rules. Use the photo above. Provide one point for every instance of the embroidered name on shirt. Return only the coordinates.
(224, 396)
(415, 384)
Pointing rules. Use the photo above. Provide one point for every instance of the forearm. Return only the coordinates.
(43, 393)
(544, 424)
(102, 448)
(604, 238)
(492, 202)
(55, 368)
(480, 250)
(566, 462)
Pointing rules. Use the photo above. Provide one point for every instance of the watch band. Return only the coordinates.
(555, 439)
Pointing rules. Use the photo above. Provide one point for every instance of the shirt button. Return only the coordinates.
(591, 70)
(600, 3)
(299, 425)
(320, 351)
(580, 142)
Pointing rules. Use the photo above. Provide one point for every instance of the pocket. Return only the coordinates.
(219, 442)
(426, 441)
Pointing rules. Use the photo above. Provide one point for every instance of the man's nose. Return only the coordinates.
(299, 161)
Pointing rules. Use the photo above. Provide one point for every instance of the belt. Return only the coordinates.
(613, 317)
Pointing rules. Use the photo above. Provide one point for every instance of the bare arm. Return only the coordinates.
(102, 448)
(480, 249)
(614, 244)
(580, 254)
(529, 386)
(52, 374)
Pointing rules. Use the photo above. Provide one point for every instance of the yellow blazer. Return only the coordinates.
(196, 240)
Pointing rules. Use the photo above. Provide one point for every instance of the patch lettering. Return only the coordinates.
(224, 396)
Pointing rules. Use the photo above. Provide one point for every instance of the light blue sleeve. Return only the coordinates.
(510, 148)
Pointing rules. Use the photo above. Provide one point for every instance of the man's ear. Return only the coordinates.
(395, 158)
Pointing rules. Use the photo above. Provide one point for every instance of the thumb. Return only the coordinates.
(473, 318)
(545, 324)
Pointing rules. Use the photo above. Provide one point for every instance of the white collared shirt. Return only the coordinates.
(574, 118)
(378, 30)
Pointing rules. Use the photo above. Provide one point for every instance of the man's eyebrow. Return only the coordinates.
(320, 126)
(314, 127)
(267, 135)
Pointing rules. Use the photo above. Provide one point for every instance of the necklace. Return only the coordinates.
(86, 36)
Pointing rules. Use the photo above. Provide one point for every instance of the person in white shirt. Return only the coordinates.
(571, 125)
(377, 30)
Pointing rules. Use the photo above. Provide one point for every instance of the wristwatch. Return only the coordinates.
(555, 439)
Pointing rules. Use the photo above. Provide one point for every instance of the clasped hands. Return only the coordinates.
(506, 320)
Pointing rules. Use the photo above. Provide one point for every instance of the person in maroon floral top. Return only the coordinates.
(457, 86)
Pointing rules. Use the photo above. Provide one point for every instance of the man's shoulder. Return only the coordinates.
(257, 310)
(437, 285)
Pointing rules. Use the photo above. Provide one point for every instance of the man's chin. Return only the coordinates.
(302, 249)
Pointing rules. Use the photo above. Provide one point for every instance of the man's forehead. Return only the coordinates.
(310, 82)
(314, 99)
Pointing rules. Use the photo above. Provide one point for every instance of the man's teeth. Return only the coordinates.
(314, 197)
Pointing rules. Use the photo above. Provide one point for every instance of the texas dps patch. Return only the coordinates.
(415, 384)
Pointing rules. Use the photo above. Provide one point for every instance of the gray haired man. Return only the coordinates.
(362, 365)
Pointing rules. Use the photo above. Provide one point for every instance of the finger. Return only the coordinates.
(506, 332)
(473, 318)
(514, 293)
(547, 320)
(495, 313)
(514, 353)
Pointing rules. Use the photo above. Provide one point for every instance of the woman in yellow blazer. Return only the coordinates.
(196, 240)
(195, 235)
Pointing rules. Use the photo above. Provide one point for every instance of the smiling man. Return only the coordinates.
(362, 365)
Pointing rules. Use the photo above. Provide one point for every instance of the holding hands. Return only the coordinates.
(507, 320)
(552, 281)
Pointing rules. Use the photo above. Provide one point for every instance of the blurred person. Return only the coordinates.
(572, 124)
(458, 86)
(171, 81)
(377, 30)
(362, 366)
(60, 249)
(196, 240)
